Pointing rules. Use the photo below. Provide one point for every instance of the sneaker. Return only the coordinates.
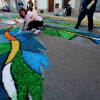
(33, 30)
(37, 31)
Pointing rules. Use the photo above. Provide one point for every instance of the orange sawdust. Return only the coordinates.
(7, 35)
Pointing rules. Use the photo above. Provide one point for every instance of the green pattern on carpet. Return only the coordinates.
(13, 29)
(3, 17)
(51, 32)
(15, 16)
(60, 23)
(51, 21)
(66, 35)
(4, 48)
(58, 33)
(27, 80)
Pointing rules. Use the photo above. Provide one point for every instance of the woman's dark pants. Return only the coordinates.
(35, 24)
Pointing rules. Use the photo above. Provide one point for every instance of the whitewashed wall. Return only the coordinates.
(13, 6)
(42, 4)
(72, 3)
(1, 5)
(25, 3)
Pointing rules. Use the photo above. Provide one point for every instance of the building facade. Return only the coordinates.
(51, 5)
(44, 6)
(12, 4)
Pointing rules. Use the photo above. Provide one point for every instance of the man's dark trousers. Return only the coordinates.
(90, 19)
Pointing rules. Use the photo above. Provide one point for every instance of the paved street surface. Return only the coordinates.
(74, 72)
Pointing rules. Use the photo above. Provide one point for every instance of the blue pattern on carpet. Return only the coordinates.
(14, 32)
(96, 41)
(3, 94)
(85, 33)
(36, 45)
(35, 60)
(29, 35)
(2, 31)
(58, 21)
(54, 20)
(21, 38)
(3, 39)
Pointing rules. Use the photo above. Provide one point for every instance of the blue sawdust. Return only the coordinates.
(85, 33)
(2, 31)
(96, 41)
(3, 39)
(29, 35)
(86, 26)
(54, 20)
(51, 26)
(35, 60)
(4, 17)
(21, 38)
(14, 32)
(32, 45)
(3, 94)
(41, 28)
(59, 21)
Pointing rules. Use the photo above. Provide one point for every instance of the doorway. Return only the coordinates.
(51, 5)
(64, 2)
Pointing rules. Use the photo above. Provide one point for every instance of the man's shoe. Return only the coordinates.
(37, 31)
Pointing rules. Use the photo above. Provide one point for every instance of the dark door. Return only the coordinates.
(65, 2)
(51, 5)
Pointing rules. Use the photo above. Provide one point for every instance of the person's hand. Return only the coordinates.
(88, 7)
(20, 31)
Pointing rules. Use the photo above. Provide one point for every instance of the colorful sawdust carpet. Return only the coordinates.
(69, 33)
(11, 22)
(51, 21)
(21, 60)
(16, 19)
(3, 18)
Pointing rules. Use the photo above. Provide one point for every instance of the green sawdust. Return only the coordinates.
(58, 33)
(4, 48)
(15, 16)
(27, 80)
(13, 29)
(3, 17)
(69, 31)
(51, 32)
(66, 35)
(60, 23)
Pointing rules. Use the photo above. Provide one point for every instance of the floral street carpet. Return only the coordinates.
(21, 61)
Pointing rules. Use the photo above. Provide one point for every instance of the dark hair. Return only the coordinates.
(22, 9)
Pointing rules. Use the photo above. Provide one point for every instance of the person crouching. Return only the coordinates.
(31, 20)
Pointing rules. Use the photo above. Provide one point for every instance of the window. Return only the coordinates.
(57, 5)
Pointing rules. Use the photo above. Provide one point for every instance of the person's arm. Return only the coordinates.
(23, 26)
(92, 3)
(31, 19)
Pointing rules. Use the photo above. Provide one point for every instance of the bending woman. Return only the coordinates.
(31, 20)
